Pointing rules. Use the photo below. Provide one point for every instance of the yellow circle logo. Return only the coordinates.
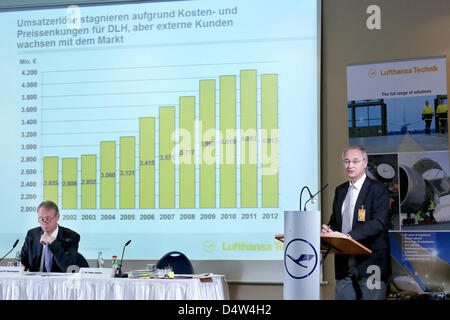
(209, 246)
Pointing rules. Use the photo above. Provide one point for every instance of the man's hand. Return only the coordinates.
(46, 239)
(326, 229)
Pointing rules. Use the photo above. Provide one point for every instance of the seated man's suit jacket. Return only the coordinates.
(64, 249)
(372, 232)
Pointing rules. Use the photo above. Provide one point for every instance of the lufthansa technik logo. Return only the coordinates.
(300, 258)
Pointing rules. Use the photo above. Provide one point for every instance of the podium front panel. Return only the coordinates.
(301, 255)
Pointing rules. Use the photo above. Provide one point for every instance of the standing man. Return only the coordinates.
(361, 212)
(50, 247)
(441, 112)
(427, 116)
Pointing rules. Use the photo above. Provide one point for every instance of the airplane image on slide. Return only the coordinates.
(424, 188)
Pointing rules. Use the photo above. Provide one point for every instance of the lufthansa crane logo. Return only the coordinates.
(300, 258)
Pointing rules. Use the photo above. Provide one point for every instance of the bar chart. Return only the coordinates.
(210, 149)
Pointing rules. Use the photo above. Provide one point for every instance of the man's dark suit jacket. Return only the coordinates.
(372, 233)
(64, 249)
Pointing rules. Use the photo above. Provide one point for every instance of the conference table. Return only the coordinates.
(73, 286)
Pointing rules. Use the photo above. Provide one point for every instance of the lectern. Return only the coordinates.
(301, 255)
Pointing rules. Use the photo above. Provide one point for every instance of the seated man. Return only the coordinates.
(50, 247)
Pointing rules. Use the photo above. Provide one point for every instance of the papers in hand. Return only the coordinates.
(335, 234)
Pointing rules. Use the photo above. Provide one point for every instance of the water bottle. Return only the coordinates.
(18, 260)
(100, 261)
(114, 264)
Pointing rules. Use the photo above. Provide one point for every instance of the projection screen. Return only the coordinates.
(179, 125)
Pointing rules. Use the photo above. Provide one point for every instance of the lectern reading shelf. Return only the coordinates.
(337, 245)
(342, 245)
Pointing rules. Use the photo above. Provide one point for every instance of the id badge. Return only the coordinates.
(361, 214)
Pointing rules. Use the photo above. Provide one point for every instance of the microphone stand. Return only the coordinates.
(14, 245)
(312, 197)
(301, 194)
(119, 269)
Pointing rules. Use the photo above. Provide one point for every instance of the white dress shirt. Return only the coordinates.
(348, 206)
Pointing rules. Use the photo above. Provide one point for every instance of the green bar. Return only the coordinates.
(269, 139)
(146, 163)
(166, 157)
(51, 179)
(88, 181)
(69, 183)
(187, 158)
(228, 143)
(107, 174)
(249, 152)
(207, 143)
(127, 172)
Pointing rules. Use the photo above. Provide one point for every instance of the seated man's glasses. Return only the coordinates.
(46, 220)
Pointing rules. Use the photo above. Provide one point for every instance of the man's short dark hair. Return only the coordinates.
(49, 205)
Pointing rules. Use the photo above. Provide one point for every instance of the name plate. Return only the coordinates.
(11, 271)
(97, 272)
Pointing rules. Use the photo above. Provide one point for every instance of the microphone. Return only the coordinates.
(119, 269)
(301, 194)
(14, 245)
(312, 196)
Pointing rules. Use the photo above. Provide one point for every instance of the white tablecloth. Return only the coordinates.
(74, 287)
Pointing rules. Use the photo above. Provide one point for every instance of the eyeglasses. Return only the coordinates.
(46, 220)
(347, 162)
